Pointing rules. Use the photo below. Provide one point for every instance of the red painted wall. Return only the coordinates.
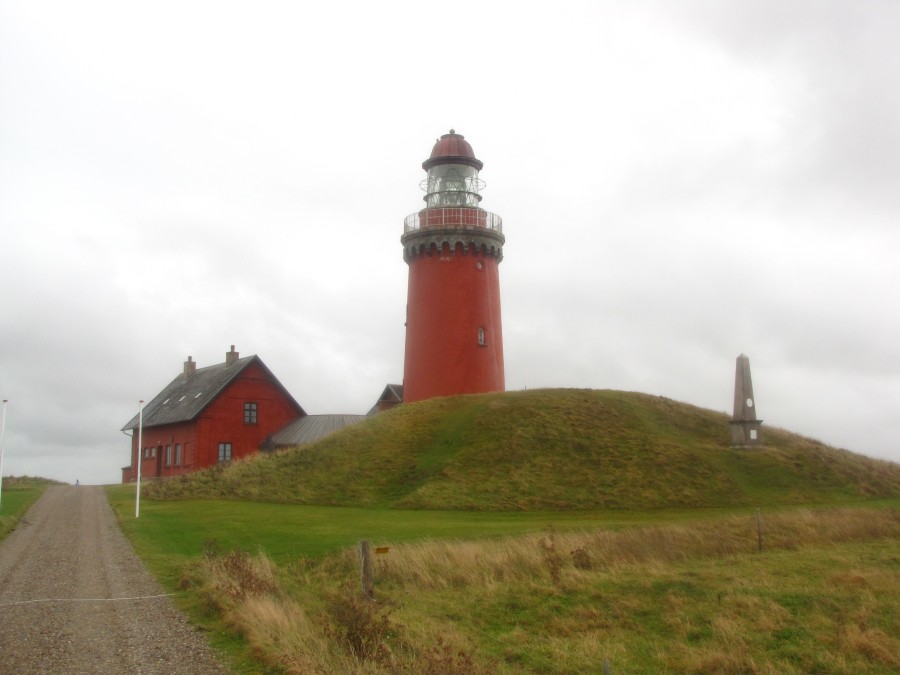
(450, 295)
(158, 438)
(221, 422)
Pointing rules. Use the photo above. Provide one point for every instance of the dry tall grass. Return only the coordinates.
(245, 592)
(450, 564)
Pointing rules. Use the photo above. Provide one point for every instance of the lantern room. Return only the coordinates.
(452, 173)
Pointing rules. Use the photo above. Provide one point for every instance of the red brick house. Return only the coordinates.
(210, 415)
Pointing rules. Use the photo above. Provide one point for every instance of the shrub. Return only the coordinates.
(362, 625)
(581, 559)
(442, 659)
(238, 574)
(553, 561)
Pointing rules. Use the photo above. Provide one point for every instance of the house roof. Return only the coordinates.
(311, 428)
(393, 393)
(185, 397)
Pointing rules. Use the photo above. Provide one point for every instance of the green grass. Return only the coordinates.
(17, 497)
(690, 597)
(546, 450)
(169, 533)
(800, 606)
(171, 537)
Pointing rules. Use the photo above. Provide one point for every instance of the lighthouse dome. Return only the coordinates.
(452, 148)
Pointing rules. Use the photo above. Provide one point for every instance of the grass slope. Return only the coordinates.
(546, 450)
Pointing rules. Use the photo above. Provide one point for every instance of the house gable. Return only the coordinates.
(224, 419)
(391, 396)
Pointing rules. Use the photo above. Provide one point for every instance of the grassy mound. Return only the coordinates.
(546, 450)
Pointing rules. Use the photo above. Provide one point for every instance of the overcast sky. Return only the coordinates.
(680, 182)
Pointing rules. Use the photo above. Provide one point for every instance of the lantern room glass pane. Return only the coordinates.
(452, 185)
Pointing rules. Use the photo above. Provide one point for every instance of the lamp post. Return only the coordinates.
(137, 493)
(2, 438)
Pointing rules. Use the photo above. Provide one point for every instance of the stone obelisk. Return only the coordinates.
(745, 427)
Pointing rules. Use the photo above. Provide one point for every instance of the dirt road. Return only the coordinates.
(74, 598)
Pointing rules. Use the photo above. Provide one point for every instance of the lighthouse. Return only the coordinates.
(453, 247)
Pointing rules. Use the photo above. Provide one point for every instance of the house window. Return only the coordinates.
(249, 413)
(482, 340)
(178, 454)
(224, 452)
(168, 455)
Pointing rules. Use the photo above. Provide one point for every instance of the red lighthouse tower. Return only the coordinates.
(454, 340)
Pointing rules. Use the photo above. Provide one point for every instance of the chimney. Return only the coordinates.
(190, 367)
(231, 357)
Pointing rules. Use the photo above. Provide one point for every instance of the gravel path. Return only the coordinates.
(74, 598)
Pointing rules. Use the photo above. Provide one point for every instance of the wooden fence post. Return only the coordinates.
(365, 567)
(758, 530)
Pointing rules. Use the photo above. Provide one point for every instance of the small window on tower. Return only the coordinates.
(482, 339)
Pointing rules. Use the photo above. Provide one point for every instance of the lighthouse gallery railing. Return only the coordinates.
(466, 217)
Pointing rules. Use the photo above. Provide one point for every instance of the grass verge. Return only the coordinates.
(460, 592)
(19, 493)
